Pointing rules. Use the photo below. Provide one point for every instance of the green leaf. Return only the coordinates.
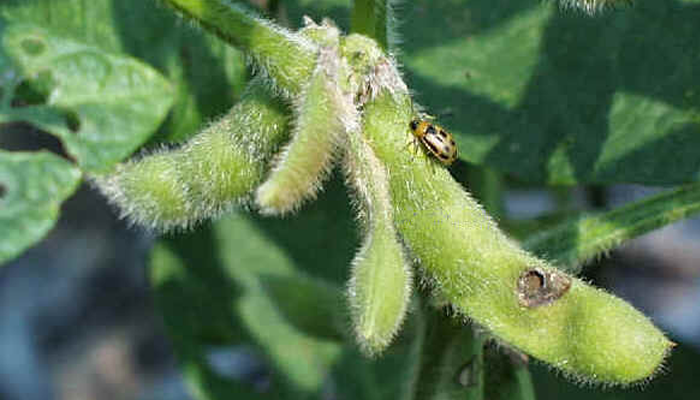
(32, 188)
(102, 106)
(575, 241)
(207, 74)
(555, 97)
(311, 305)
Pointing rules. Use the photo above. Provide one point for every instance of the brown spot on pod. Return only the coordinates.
(538, 287)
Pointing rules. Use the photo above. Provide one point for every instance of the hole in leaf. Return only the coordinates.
(22, 136)
(537, 287)
(33, 46)
(73, 121)
(32, 93)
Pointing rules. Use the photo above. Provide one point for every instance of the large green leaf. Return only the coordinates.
(102, 106)
(558, 97)
(32, 188)
(206, 74)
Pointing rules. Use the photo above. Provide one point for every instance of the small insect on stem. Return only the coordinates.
(436, 140)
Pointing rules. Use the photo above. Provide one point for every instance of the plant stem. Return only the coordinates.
(286, 57)
(573, 242)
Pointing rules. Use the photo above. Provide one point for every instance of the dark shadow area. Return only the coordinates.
(322, 237)
(583, 63)
(561, 125)
(425, 23)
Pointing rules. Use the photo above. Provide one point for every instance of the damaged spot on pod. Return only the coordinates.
(538, 287)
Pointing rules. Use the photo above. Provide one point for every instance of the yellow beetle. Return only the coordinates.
(436, 140)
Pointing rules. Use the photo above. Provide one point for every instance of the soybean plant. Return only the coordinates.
(323, 98)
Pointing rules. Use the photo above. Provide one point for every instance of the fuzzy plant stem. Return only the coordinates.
(582, 331)
(210, 174)
(286, 57)
(576, 241)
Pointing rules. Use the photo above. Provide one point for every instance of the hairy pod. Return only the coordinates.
(581, 330)
(213, 172)
(306, 161)
(379, 290)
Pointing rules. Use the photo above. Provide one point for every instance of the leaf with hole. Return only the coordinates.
(102, 106)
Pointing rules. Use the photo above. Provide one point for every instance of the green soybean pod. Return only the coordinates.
(212, 173)
(585, 332)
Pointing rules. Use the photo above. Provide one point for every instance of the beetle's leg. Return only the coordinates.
(414, 145)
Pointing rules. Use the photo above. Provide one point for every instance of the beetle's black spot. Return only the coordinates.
(448, 149)
(444, 156)
(452, 142)
(439, 139)
(431, 147)
(443, 134)
(430, 130)
(413, 125)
